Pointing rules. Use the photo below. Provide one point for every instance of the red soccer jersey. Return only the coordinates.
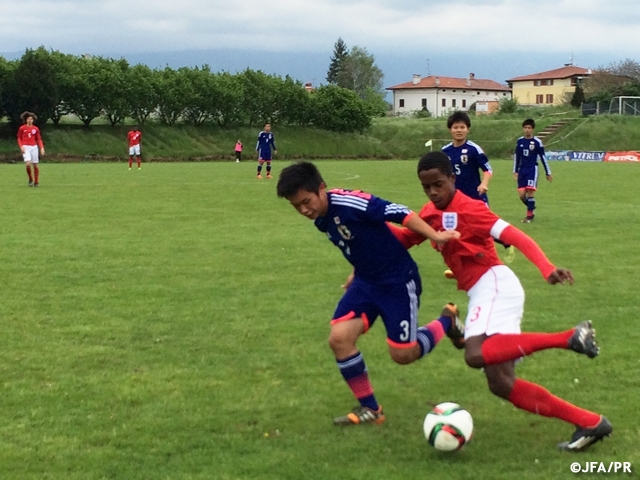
(29, 135)
(134, 137)
(471, 255)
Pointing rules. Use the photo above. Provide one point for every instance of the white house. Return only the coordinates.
(443, 95)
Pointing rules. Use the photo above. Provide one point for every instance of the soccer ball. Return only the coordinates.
(448, 427)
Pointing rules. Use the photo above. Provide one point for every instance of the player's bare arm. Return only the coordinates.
(349, 280)
(550, 178)
(484, 185)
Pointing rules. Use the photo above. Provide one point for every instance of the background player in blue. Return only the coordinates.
(385, 281)
(467, 159)
(525, 167)
(263, 147)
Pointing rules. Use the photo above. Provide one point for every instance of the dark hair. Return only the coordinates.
(27, 114)
(458, 116)
(529, 121)
(299, 176)
(438, 160)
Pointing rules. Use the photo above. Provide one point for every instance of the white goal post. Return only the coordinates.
(625, 105)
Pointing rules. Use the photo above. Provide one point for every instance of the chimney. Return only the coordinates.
(437, 81)
(416, 79)
(472, 76)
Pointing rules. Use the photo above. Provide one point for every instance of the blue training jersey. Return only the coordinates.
(265, 142)
(356, 223)
(467, 160)
(528, 150)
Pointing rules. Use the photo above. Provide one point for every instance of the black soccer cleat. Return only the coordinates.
(583, 340)
(31, 183)
(36, 184)
(528, 219)
(360, 415)
(582, 438)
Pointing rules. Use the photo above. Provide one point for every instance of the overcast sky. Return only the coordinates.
(592, 30)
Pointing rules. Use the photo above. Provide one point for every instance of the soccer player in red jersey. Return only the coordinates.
(493, 340)
(134, 137)
(29, 139)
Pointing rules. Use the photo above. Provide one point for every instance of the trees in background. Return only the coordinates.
(619, 78)
(53, 84)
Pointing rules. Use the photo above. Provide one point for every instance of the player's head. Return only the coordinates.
(28, 117)
(437, 178)
(135, 128)
(459, 124)
(302, 184)
(527, 126)
(267, 127)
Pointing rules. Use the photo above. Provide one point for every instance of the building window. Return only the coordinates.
(539, 99)
(401, 103)
(444, 89)
(549, 98)
(464, 103)
(536, 83)
(478, 93)
(453, 91)
(424, 103)
(574, 81)
(464, 91)
(453, 103)
(550, 82)
(444, 102)
(504, 94)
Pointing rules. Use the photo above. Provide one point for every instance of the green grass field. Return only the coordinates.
(171, 323)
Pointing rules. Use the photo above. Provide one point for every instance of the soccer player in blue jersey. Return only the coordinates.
(265, 143)
(385, 281)
(525, 167)
(468, 160)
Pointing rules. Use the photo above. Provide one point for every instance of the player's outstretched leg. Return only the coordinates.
(456, 330)
(534, 398)
(505, 347)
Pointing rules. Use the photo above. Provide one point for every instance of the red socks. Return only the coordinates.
(29, 173)
(36, 173)
(130, 162)
(502, 348)
(138, 162)
(536, 399)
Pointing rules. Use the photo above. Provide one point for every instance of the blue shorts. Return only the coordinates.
(264, 155)
(397, 304)
(528, 178)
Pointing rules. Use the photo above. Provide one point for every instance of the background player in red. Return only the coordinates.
(134, 137)
(29, 139)
(493, 340)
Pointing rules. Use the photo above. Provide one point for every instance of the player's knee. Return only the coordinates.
(500, 385)
(473, 358)
(402, 356)
(338, 342)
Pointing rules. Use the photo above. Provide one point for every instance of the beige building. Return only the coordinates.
(443, 95)
(547, 88)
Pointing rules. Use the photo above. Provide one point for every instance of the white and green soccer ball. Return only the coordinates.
(448, 427)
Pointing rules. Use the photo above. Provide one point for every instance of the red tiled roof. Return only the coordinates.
(452, 82)
(563, 72)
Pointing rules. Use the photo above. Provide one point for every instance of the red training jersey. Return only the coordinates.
(134, 137)
(470, 256)
(29, 135)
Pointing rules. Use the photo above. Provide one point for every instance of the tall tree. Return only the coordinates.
(628, 67)
(340, 52)
(578, 97)
(359, 73)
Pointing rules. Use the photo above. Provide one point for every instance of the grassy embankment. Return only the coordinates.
(387, 138)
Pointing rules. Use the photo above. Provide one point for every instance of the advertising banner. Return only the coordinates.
(558, 155)
(587, 156)
(622, 157)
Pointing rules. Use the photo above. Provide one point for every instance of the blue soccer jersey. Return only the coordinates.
(467, 161)
(266, 142)
(355, 223)
(525, 158)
